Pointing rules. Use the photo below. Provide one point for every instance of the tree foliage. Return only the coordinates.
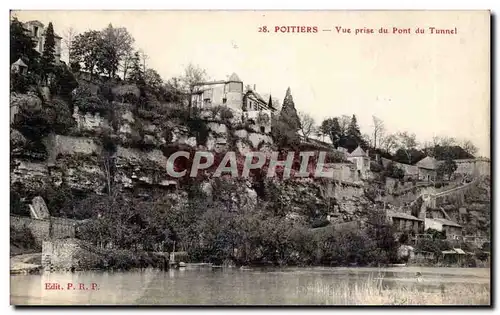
(448, 167)
(48, 58)
(307, 125)
(86, 49)
(21, 44)
(285, 127)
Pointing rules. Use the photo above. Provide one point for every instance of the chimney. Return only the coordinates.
(254, 87)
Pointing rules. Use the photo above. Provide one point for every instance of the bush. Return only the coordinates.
(226, 114)
(199, 129)
(175, 111)
(89, 102)
(60, 116)
(33, 120)
(120, 259)
(319, 222)
(263, 119)
(16, 204)
(21, 82)
(22, 237)
(393, 171)
(126, 93)
(64, 82)
(375, 167)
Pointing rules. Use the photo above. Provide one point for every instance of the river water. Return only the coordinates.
(318, 285)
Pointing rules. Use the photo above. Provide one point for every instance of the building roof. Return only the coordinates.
(358, 152)
(20, 63)
(210, 82)
(447, 222)
(40, 24)
(428, 162)
(257, 96)
(234, 77)
(401, 215)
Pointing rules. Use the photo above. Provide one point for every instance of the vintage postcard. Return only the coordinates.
(250, 158)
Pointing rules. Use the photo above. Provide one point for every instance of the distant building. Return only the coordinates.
(403, 222)
(361, 159)
(427, 169)
(452, 229)
(231, 93)
(19, 67)
(36, 30)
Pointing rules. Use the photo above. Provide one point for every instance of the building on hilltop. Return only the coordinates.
(360, 159)
(36, 30)
(19, 67)
(232, 94)
(229, 93)
(219, 93)
(427, 169)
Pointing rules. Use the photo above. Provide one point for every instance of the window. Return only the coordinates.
(262, 129)
(35, 30)
(249, 105)
(224, 100)
(206, 102)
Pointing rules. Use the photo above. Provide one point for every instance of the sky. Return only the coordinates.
(427, 84)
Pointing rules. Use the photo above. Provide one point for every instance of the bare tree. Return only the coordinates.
(378, 131)
(306, 124)
(469, 147)
(144, 57)
(192, 76)
(443, 141)
(127, 62)
(344, 122)
(389, 143)
(366, 138)
(407, 142)
(68, 36)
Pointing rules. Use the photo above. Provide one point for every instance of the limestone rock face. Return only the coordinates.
(39, 209)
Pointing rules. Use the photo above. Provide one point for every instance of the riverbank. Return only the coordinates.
(255, 286)
(26, 264)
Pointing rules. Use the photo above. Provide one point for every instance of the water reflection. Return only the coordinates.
(232, 286)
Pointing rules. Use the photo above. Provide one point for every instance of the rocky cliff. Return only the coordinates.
(127, 150)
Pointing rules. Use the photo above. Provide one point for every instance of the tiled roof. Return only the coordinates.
(19, 62)
(447, 222)
(358, 152)
(257, 95)
(402, 215)
(234, 77)
(427, 163)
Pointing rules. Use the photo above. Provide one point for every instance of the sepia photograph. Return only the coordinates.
(250, 158)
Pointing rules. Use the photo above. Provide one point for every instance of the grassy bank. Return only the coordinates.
(458, 294)
(373, 292)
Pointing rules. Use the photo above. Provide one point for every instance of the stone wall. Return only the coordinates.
(342, 172)
(478, 166)
(67, 145)
(70, 253)
(42, 229)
